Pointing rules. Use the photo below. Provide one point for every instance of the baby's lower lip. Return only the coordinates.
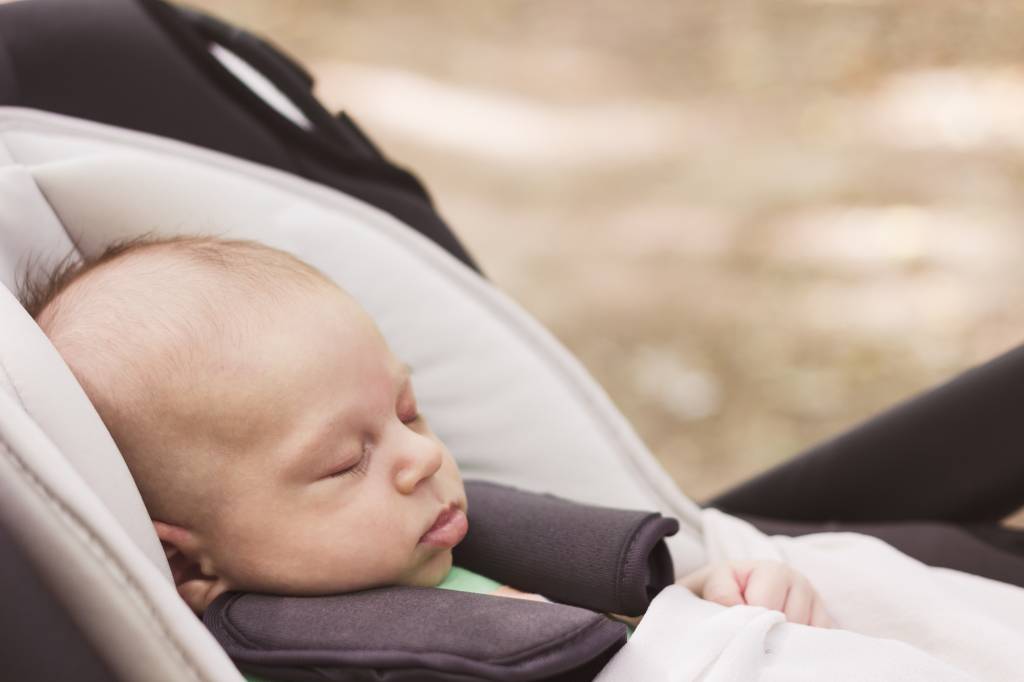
(448, 530)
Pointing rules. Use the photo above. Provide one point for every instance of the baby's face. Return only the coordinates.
(321, 474)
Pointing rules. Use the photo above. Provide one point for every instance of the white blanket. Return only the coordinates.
(895, 619)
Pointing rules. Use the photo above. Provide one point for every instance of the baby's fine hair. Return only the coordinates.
(256, 263)
(141, 323)
(174, 293)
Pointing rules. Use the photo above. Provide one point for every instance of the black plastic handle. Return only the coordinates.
(284, 72)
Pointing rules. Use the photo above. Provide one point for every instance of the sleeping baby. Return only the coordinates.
(274, 436)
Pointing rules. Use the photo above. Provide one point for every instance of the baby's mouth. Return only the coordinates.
(448, 530)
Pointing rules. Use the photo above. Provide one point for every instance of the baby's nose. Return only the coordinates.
(420, 459)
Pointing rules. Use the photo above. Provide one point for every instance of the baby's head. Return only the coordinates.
(274, 436)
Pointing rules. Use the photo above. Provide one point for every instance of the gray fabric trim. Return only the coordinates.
(389, 633)
(602, 559)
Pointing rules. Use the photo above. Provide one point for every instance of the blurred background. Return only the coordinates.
(756, 223)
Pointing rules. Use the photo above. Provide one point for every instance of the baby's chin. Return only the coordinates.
(432, 571)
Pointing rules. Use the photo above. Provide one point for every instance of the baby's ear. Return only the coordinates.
(197, 584)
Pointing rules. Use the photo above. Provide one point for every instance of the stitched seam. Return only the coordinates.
(226, 625)
(543, 648)
(3, 366)
(97, 548)
(10, 380)
(624, 554)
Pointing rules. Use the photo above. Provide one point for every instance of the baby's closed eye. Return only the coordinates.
(355, 468)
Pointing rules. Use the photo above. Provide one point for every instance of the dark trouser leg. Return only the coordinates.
(955, 453)
(987, 550)
(931, 476)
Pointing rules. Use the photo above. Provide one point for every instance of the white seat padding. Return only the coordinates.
(126, 608)
(33, 374)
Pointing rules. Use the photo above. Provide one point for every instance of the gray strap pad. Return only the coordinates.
(603, 559)
(410, 633)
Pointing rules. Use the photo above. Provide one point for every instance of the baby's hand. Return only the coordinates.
(771, 584)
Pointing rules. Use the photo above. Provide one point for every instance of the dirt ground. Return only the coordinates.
(755, 223)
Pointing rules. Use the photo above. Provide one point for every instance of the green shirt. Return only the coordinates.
(462, 580)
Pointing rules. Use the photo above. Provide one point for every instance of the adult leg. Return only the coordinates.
(955, 453)
(987, 550)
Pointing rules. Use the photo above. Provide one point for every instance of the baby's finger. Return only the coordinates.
(722, 587)
(799, 602)
(767, 587)
(819, 617)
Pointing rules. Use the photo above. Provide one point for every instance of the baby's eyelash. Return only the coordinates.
(361, 466)
(357, 468)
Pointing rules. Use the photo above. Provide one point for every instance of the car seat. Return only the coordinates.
(75, 181)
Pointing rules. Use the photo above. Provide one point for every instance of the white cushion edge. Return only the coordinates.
(122, 603)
